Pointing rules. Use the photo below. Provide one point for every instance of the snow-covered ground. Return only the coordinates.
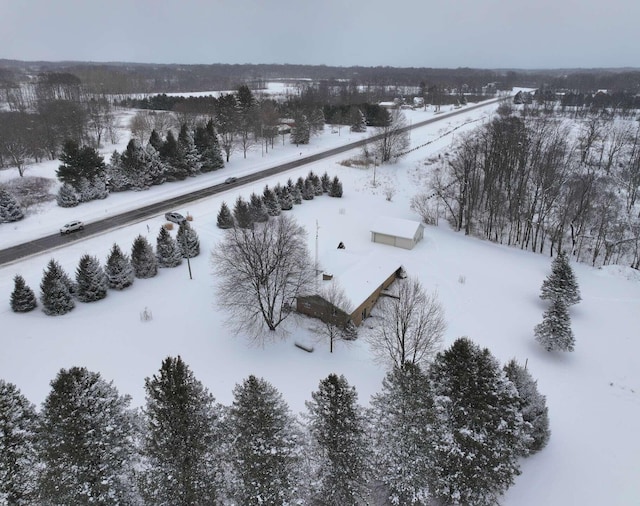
(490, 294)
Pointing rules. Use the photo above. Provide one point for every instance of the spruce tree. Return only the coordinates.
(339, 441)
(18, 455)
(242, 213)
(155, 166)
(225, 218)
(271, 202)
(357, 119)
(167, 250)
(56, 290)
(173, 157)
(136, 166)
(336, 188)
(533, 407)
(402, 422)
(301, 131)
(187, 239)
(325, 181)
(190, 154)
(23, 299)
(181, 445)
(561, 283)
(257, 209)
(554, 332)
(116, 175)
(143, 259)
(79, 163)
(286, 199)
(9, 208)
(309, 190)
(91, 280)
(118, 269)
(317, 183)
(67, 196)
(263, 445)
(206, 142)
(296, 194)
(86, 442)
(479, 432)
(155, 140)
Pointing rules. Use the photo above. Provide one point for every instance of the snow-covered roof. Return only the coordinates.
(357, 273)
(397, 227)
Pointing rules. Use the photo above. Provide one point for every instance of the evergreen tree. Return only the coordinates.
(155, 140)
(242, 214)
(191, 156)
(271, 202)
(173, 158)
(402, 423)
(317, 120)
(206, 142)
(554, 332)
(154, 165)
(301, 131)
(263, 445)
(181, 441)
(91, 280)
(479, 431)
(561, 283)
(23, 299)
(325, 181)
(187, 239)
(93, 189)
(118, 269)
(56, 290)
(286, 199)
(167, 250)
(357, 119)
(86, 445)
(309, 190)
(317, 183)
(337, 427)
(143, 259)
(9, 208)
(136, 166)
(336, 188)
(67, 196)
(296, 194)
(257, 209)
(79, 163)
(118, 180)
(533, 407)
(225, 218)
(18, 455)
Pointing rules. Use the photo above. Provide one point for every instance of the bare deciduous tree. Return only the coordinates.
(335, 324)
(411, 326)
(392, 139)
(261, 270)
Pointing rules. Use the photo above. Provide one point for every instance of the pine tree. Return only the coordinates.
(286, 199)
(561, 283)
(136, 166)
(325, 181)
(317, 120)
(402, 423)
(115, 174)
(143, 259)
(271, 202)
(357, 119)
(9, 208)
(309, 190)
(23, 299)
(479, 431)
(206, 142)
(187, 239)
(554, 332)
(79, 163)
(181, 447)
(257, 209)
(317, 183)
(155, 166)
(86, 445)
(18, 455)
(167, 250)
(118, 269)
(533, 407)
(301, 131)
(225, 218)
(56, 290)
(67, 196)
(242, 214)
(297, 195)
(173, 158)
(336, 188)
(155, 140)
(91, 280)
(191, 156)
(93, 189)
(263, 445)
(337, 428)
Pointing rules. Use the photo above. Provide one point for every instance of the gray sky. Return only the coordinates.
(400, 33)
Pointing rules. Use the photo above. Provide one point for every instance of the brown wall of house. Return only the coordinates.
(357, 314)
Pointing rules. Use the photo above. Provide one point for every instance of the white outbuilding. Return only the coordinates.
(397, 232)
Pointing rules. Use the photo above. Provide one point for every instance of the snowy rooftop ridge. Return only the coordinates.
(398, 227)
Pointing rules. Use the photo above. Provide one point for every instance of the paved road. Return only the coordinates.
(36, 246)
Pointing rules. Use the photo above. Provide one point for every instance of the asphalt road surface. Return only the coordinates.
(14, 253)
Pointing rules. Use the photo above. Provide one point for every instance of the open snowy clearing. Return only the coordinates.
(490, 294)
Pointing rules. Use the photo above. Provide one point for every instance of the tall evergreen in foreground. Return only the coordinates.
(9, 208)
(167, 250)
(554, 332)
(187, 239)
(561, 283)
(263, 445)
(225, 218)
(143, 259)
(18, 455)
(86, 442)
(340, 450)
(181, 448)
(479, 431)
(242, 213)
(119, 270)
(56, 290)
(91, 280)
(22, 299)
(533, 406)
(402, 424)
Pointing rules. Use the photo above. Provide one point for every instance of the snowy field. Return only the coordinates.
(490, 294)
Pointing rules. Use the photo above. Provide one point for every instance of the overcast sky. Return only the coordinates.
(400, 33)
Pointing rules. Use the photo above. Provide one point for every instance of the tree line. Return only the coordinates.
(454, 433)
